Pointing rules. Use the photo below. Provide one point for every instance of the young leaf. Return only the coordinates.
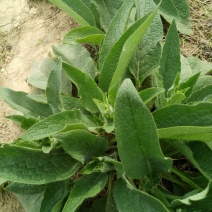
(77, 10)
(82, 145)
(25, 122)
(115, 31)
(53, 89)
(128, 199)
(184, 115)
(53, 194)
(137, 135)
(87, 87)
(170, 60)
(19, 100)
(32, 166)
(87, 186)
(77, 56)
(196, 200)
(186, 133)
(150, 93)
(56, 123)
(189, 83)
(86, 34)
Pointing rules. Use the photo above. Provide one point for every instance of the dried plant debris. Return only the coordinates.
(200, 43)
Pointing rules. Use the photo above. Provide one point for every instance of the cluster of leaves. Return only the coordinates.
(129, 129)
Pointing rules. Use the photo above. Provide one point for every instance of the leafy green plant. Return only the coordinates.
(129, 129)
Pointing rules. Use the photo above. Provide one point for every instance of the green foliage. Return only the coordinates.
(126, 129)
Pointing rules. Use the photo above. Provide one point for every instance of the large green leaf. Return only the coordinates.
(87, 186)
(198, 65)
(53, 89)
(39, 74)
(33, 166)
(94, 9)
(186, 133)
(19, 100)
(137, 135)
(184, 115)
(54, 194)
(122, 51)
(201, 95)
(82, 145)
(147, 56)
(107, 9)
(86, 34)
(170, 60)
(25, 122)
(115, 31)
(77, 56)
(56, 123)
(31, 202)
(198, 153)
(87, 87)
(127, 52)
(22, 188)
(128, 199)
(196, 200)
(177, 10)
(77, 10)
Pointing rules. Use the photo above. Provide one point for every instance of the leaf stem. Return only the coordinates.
(185, 179)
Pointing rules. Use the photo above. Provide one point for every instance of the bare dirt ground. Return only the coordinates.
(46, 25)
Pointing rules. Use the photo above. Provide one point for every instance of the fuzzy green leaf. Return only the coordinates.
(25, 122)
(177, 10)
(137, 135)
(87, 186)
(107, 10)
(19, 100)
(198, 65)
(54, 193)
(147, 56)
(184, 115)
(56, 123)
(22, 188)
(196, 200)
(128, 199)
(201, 95)
(186, 133)
(77, 56)
(150, 93)
(77, 10)
(127, 52)
(86, 34)
(33, 166)
(82, 145)
(87, 87)
(53, 89)
(121, 53)
(115, 31)
(170, 60)
(198, 153)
